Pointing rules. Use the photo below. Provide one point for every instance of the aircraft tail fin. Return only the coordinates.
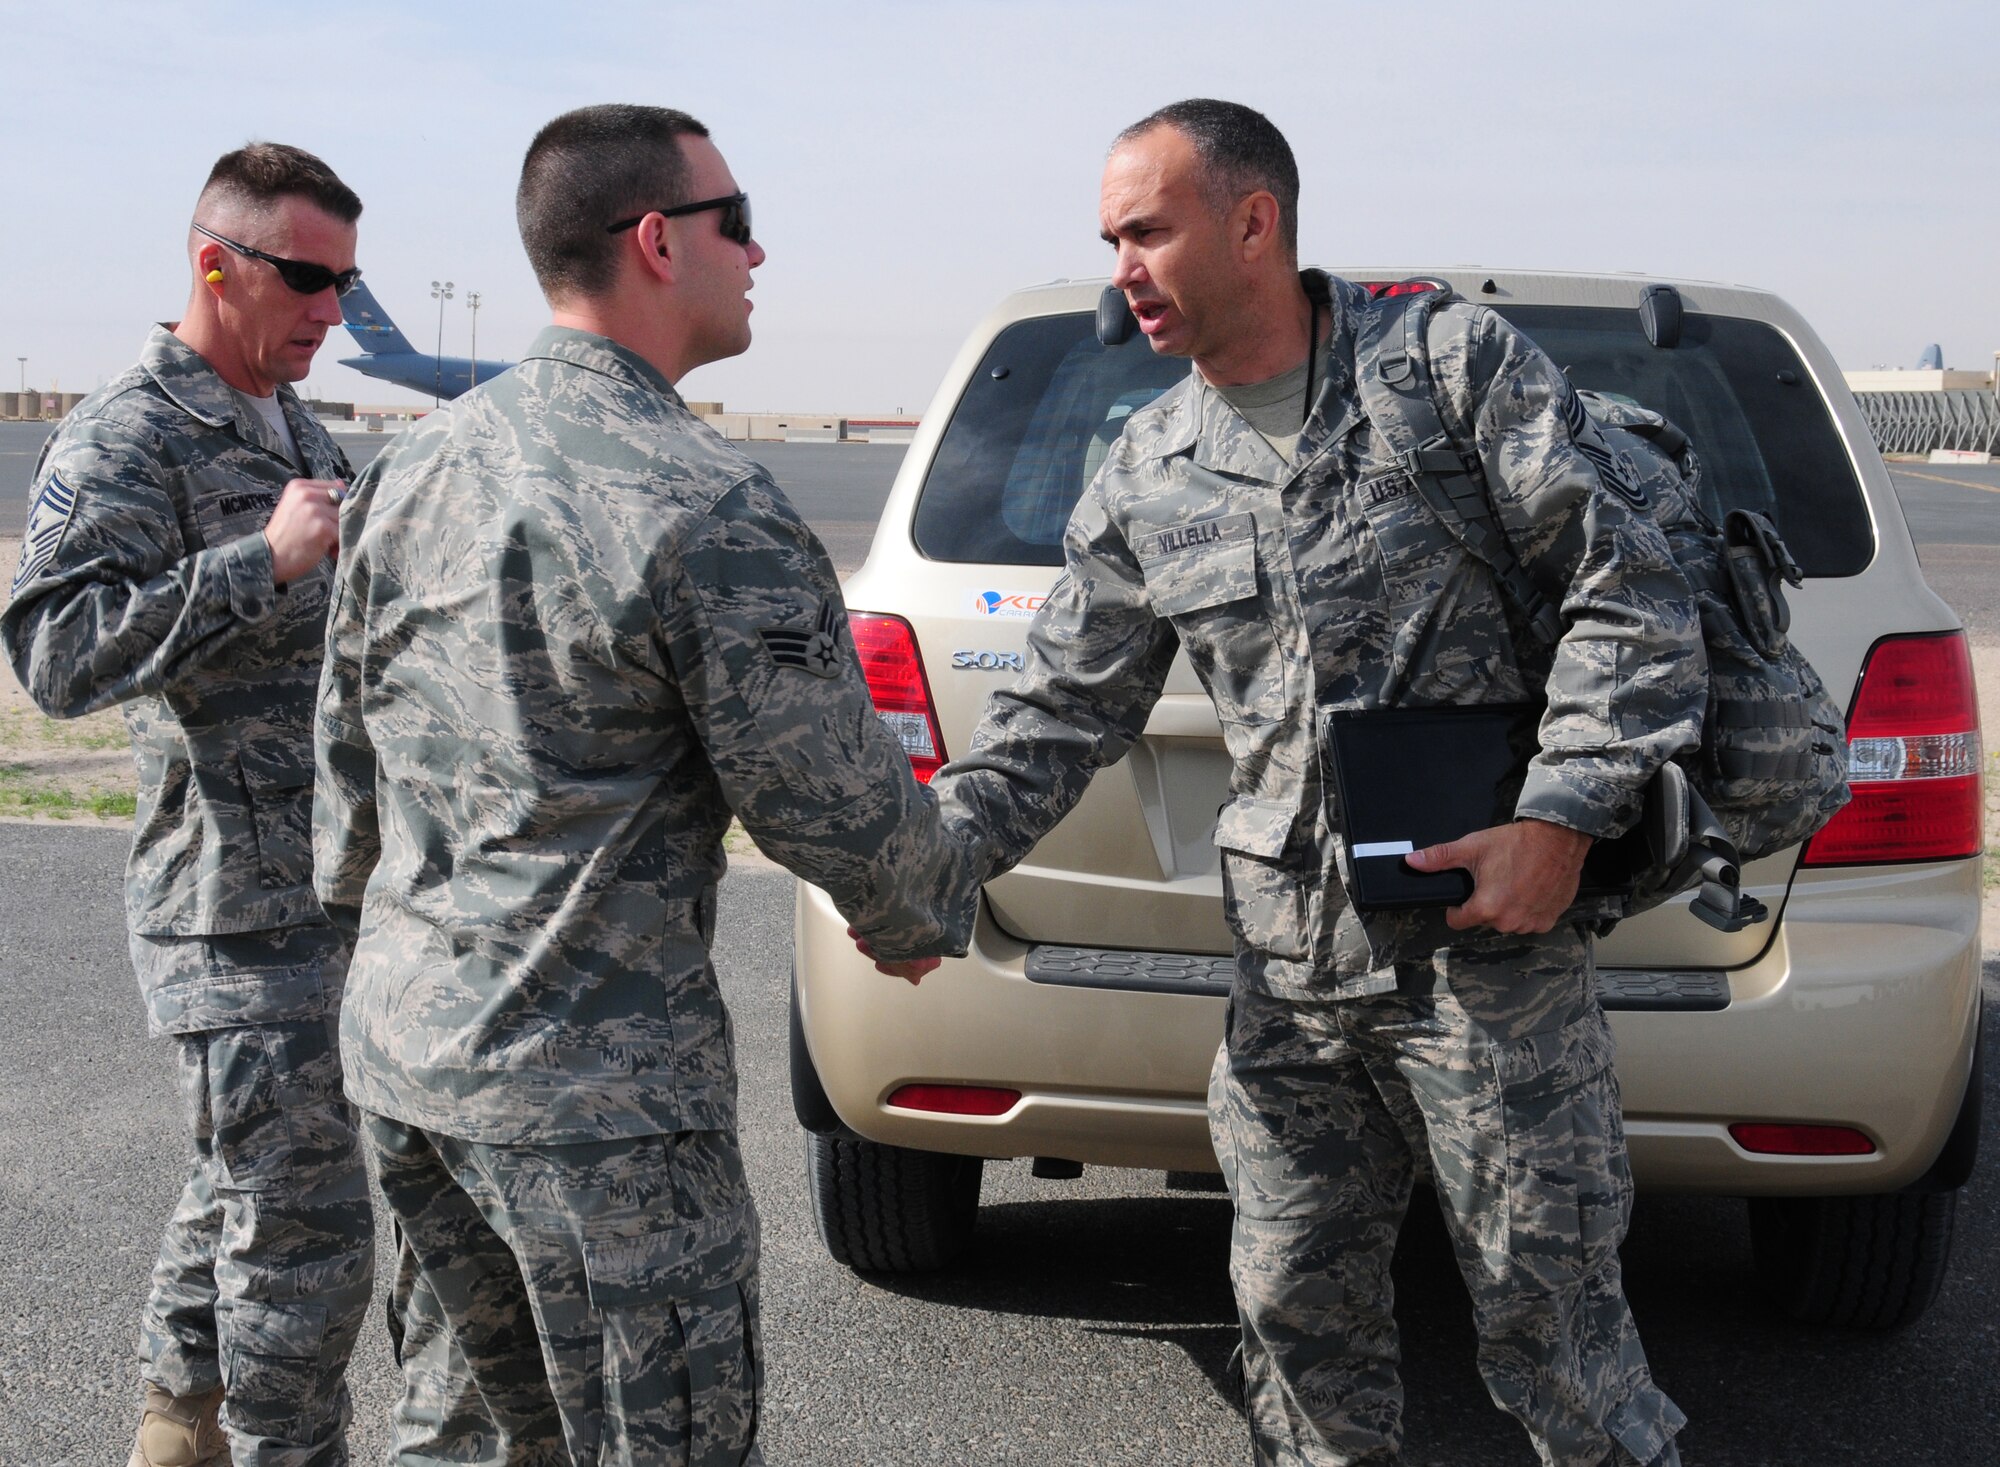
(370, 325)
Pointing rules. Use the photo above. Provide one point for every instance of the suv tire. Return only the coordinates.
(885, 1209)
(1856, 1262)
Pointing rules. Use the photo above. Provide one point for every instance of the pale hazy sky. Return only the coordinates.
(911, 163)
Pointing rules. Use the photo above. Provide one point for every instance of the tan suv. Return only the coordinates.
(1822, 1064)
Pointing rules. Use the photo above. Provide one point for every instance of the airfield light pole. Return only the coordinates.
(440, 292)
(472, 300)
(24, 370)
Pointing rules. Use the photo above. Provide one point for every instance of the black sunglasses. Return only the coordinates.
(735, 216)
(301, 275)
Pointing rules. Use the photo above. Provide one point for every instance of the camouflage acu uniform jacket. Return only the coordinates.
(145, 581)
(1327, 583)
(575, 629)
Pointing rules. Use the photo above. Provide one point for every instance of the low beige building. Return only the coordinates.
(1927, 379)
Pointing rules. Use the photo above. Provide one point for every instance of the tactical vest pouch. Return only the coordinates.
(1773, 764)
(1757, 562)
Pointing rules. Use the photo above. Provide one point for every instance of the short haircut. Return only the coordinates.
(587, 170)
(1240, 152)
(257, 175)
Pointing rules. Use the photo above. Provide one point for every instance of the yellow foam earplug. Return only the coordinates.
(214, 277)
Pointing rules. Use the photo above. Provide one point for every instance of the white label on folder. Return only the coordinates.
(1384, 848)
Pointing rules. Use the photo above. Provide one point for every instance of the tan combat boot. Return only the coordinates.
(179, 1431)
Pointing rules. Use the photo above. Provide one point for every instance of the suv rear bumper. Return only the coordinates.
(1108, 1077)
(1861, 1012)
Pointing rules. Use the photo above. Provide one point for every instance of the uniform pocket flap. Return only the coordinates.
(674, 1263)
(1558, 1060)
(271, 766)
(1206, 563)
(281, 1331)
(1254, 827)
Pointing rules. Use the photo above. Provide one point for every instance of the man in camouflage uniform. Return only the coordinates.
(1267, 530)
(175, 564)
(576, 630)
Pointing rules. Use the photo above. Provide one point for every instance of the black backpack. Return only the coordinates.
(1772, 766)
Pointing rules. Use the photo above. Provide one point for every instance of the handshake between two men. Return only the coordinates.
(1524, 875)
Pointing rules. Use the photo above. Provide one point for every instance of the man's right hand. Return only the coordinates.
(911, 970)
(305, 527)
(1524, 874)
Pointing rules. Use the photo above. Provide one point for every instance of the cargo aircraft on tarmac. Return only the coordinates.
(387, 353)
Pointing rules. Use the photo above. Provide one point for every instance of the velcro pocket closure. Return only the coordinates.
(674, 1263)
(1205, 563)
(1254, 827)
(1559, 1059)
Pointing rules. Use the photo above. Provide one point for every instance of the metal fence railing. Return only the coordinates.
(1966, 419)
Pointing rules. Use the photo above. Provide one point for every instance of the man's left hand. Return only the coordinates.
(1524, 875)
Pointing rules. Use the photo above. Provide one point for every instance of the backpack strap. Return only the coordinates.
(1641, 422)
(1392, 373)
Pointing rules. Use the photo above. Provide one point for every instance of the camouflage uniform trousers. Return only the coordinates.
(587, 1303)
(267, 1264)
(1489, 1070)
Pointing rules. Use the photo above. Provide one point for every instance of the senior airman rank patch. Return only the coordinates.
(816, 651)
(55, 503)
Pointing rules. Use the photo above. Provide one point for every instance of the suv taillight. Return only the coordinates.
(895, 672)
(1913, 757)
(1382, 290)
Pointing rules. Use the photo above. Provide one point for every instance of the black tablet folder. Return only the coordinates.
(1414, 777)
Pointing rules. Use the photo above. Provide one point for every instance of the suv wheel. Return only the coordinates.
(885, 1209)
(1857, 1262)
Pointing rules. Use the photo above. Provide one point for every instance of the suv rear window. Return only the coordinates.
(1048, 400)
